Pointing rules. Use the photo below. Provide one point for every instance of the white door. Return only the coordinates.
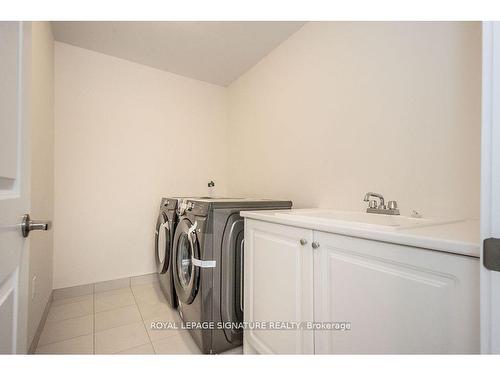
(14, 183)
(490, 188)
(278, 263)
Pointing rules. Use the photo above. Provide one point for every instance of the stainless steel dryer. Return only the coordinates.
(207, 267)
(164, 239)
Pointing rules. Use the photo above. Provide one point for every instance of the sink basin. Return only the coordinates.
(349, 218)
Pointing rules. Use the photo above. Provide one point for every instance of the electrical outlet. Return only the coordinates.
(33, 287)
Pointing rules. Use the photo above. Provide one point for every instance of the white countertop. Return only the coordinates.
(459, 238)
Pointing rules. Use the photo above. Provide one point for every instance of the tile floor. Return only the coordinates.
(113, 318)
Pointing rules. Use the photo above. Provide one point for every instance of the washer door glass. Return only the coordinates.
(186, 274)
(184, 262)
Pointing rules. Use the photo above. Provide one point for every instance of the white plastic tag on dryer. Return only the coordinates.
(204, 263)
(198, 262)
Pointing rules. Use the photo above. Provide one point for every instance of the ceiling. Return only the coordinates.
(215, 52)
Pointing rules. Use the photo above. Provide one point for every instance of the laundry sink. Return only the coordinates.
(367, 220)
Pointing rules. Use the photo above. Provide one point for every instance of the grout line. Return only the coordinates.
(59, 341)
(62, 299)
(93, 331)
(65, 304)
(143, 322)
(121, 325)
(63, 320)
(111, 291)
(115, 308)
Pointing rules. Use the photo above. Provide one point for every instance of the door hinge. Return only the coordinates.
(491, 254)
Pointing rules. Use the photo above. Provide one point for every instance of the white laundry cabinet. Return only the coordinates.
(394, 298)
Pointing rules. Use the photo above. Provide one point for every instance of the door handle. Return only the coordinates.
(27, 225)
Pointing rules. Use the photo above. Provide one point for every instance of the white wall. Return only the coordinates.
(337, 110)
(126, 135)
(342, 108)
(42, 170)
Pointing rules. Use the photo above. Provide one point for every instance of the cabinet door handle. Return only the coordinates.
(303, 241)
(315, 244)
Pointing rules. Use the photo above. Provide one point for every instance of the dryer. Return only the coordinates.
(207, 267)
(164, 238)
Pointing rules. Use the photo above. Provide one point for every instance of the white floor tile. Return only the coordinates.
(114, 320)
(113, 299)
(143, 349)
(120, 338)
(73, 291)
(149, 310)
(148, 293)
(70, 310)
(136, 286)
(117, 317)
(113, 292)
(77, 345)
(66, 329)
(63, 301)
(144, 279)
(111, 285)
(157, 334)
(181, 343)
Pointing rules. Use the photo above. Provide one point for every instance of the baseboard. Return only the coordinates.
(79, 290)
(36, 338)
(104, 285)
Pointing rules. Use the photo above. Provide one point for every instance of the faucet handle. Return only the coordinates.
(372, 203)
(392, 205)
(415, 214)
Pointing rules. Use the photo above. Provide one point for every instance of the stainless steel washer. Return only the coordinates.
(164, 239)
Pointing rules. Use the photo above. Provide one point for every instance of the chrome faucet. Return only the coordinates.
(375, 207)
(376, 195)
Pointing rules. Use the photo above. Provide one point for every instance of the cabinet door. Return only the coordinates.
(398, 299)
(278, 286)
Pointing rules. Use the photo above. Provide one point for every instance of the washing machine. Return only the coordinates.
(208, 270)
(164, 238)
